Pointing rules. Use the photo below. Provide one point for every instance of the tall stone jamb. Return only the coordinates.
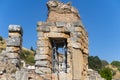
(14, 44)
(43, 53)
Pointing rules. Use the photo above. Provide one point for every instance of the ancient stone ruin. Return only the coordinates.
(62, 48)
(10, 59)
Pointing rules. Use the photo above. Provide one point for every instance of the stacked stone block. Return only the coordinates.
(14, 44)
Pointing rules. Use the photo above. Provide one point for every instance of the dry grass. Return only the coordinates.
(2, 45)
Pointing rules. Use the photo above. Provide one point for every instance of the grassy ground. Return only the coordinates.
(28, 56)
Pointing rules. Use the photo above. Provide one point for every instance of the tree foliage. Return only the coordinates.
(32, 49)
(104, 63)
(106, 73)
(94, 63)
(116, 64)
(1, 38)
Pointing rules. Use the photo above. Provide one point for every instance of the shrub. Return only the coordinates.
(104, 63)
(94, 63)
(106, 73)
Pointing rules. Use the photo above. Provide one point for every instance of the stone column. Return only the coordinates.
(14, 44)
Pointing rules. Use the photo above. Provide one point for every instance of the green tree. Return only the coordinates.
(32, 49)
(117, 64)
(104, 63)
(1, 38)
(94, 63)
(106, 73)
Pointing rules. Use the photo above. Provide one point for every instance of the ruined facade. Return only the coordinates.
(62, 45)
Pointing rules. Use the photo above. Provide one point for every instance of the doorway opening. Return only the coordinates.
(59, 55)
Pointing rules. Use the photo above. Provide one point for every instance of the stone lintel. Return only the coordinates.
(56, 35)
(42, 38)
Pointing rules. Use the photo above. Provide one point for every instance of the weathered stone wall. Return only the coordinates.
(63, 22)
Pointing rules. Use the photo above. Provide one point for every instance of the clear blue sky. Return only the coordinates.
(101, 18)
